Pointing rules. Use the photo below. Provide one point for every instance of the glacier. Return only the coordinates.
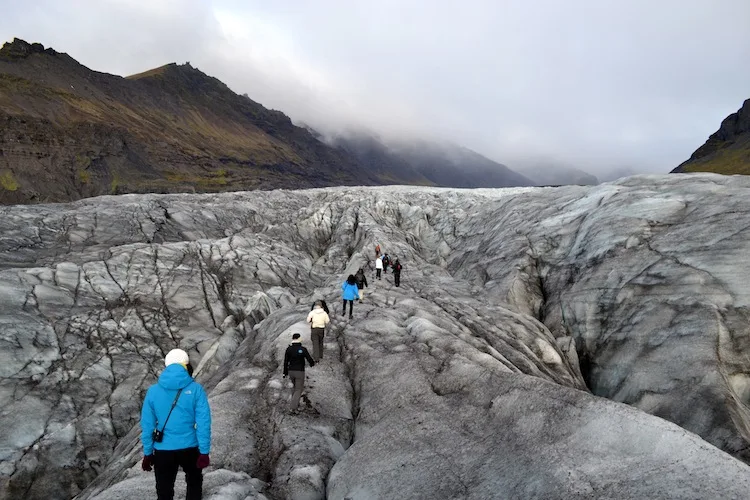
(571, 342)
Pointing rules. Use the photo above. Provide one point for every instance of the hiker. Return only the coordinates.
(176, 428)
(386, 262)
(322, 304)
(378, 267)
(377, 250)
(318, 319)
(294, 366)
(397, 272)
(361, 280)
(350, 293)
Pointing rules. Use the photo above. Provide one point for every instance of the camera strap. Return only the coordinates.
(174, 403)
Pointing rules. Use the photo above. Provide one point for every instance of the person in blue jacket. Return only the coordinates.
(177, 408)
(350, 294)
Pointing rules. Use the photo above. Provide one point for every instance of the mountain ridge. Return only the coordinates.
(442, 164)
(176, 129)
(727, 151)
(68, 132)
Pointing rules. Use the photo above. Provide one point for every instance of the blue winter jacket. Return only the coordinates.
(190, 423)
(351, 292)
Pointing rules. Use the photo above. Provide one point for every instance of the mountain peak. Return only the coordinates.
(21, 49)
(156, 72)
(184, 76)
(727, 151)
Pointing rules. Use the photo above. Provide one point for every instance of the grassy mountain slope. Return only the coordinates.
(727, 151)
(67, 132)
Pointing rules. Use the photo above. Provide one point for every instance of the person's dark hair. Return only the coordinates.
(295, 336)
(189, 368)
(351, 280)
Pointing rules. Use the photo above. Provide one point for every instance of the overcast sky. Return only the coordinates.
(598, 84)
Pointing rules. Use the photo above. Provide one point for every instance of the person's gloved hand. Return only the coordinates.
(203, 461)
(147, 462)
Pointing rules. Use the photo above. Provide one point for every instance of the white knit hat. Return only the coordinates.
(176, 356)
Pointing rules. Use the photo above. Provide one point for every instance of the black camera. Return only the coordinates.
(157, 435)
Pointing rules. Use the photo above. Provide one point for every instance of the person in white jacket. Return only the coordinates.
(378, 266)
(318, 320)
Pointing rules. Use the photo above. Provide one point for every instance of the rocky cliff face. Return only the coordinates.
(727, 151)
(525, 319)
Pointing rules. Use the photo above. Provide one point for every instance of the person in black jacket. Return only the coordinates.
(397, 272)
(294, 366)
(361, 280)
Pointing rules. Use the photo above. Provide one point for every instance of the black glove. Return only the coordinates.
(147, 462)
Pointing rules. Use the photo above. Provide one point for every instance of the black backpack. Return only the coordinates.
(323, 303)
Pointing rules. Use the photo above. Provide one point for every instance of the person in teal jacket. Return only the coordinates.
(177, 407)
(350, 294)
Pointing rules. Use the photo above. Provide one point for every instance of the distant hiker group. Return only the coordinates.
(382, 262)
(352, 289)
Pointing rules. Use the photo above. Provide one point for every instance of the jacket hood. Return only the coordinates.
(174, 377)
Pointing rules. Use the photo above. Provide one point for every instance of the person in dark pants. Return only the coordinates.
(318, 319)
(361, 280)
(397, 272)
(350, 293)
(294, 366)
(176, 428)
(166, 465)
